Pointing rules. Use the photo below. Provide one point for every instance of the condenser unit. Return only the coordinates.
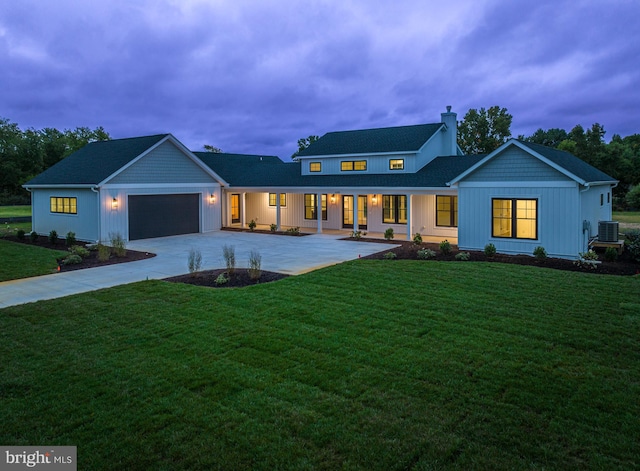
(608, 231)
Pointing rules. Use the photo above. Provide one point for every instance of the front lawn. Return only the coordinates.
(371, 364)
(23, 261)
(15, 211)
(627, 217)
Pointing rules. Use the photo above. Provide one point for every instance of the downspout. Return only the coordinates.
(33, 214)
(96, 189)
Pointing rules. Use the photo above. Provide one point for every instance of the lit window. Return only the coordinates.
(394, 209)
(447, 211)
(349, 165)
(514, 218)
(63, 205)
(272, 199)
(396, 164)
(311, 206)
(315, 166)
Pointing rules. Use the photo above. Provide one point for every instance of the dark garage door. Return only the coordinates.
(163, 215)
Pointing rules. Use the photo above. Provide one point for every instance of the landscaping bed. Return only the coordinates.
(239, 279)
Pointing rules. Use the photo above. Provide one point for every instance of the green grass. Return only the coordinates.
(370, 365)
(14, 211)
(23, 261)
(631, 217)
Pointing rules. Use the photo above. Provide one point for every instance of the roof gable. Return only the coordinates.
(373, 141)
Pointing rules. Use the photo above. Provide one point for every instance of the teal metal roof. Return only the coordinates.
(373, 141)
(95, 161)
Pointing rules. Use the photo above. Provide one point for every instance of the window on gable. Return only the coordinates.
(272, 199)
(396, 164)
(447, 210)
(63, 205)
(394, 209)
(311, 206)
(315, 166)
(515, 218)
(351, 165)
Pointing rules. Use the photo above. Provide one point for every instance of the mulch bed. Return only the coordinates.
(89, 262)
(408, 251)
(265, 231)
(239, 279)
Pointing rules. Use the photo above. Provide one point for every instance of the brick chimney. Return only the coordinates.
(451, 122)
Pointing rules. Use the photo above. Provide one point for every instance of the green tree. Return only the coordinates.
(551, 137)
(212, 149)
(303, 144)
(484, 131)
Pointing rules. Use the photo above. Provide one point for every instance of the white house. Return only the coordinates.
(413, 179)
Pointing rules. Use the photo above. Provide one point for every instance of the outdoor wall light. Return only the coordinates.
(114, 203)
(374, 200)
(212, 198)
(333, 199)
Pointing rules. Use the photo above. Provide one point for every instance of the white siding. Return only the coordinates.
(84, 223)
(592, 211)
(514, 164)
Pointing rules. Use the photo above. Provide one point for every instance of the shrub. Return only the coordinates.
(194, 262)
(53, 237)
(489, 250)
(390, 256)
(118, 244)
(70, 240)
(252, 225)
(79, 250)
(587, 260)
(255, 261)
(463, 256)
(72, 259)
(221, 279)
(356, 235)
(611, 254)
(273, 227)
(445, 247)
(632, 243)
(540, 252)
(104, 252)
(633, 197)
(293, 231)
(388, 234)
(20, 234)
(426, 254)
(229, 254)
(34, 236)
(417, 238)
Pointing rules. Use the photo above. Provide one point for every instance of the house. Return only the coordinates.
(413, 179)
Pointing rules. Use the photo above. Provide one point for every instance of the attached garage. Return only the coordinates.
(163, 215)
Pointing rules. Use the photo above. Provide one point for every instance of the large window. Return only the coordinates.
(394, 209)
(515, 218)
(311, 206)
(315, 166)
(446, 210)
(273, 200)
(63, 205)
(396, 164)
(350, 165)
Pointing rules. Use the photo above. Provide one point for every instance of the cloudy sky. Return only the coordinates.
(254, 76)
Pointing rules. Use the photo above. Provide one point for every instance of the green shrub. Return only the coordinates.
(390, 256)
(252, 225)
(229, 255)
(79, 250)
(388, 234)
(104, 252)
(417, 238)
(489, 250)
(426, 254)
(118, 244)
(20, 234)
(293, 231)
(587, 259)
(445, 247)
(72, 259)
(53, 237)
(273, 227)
(34, 236)
(611, 254)
(255, 262)
(632, 243)
(540, 252)
(70, 240)
(463, 256)
(194, 262)
(221, 279)
(356, 235)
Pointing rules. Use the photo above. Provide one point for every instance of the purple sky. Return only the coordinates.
(253, 76)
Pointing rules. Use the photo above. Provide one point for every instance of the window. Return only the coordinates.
(396, 164)
(601, 199)
(272, 199)
(350, 165)
(311, 206)
(315, 166)
(514, 218)
(394, 209)
(64, 205)
(446, 211)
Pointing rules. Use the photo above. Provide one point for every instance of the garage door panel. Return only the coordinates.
(163, 215)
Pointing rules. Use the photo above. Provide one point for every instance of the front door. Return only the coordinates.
(235, 208)
(347, 211)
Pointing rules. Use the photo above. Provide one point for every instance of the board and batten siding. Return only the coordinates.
(84, 223)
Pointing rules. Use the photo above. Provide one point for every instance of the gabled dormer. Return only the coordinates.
(400, 149)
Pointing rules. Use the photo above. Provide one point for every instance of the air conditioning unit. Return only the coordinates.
(608, 231)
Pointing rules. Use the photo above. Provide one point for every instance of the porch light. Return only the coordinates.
(333, 199)
(374, 200)
(114, 203)
(212, 198)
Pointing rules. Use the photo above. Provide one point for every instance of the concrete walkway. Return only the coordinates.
(283, 254)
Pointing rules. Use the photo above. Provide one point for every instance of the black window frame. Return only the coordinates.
(275, 203)
(453, 210)
(60, 206)
(311, 207)
(311, 164)
(392, 209)
(351, 164)
(514, 218)
(396, 160)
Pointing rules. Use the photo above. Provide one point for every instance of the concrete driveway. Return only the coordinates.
(284, 254)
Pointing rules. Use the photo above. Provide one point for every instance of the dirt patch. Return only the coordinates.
(409, 251)
(239, 279)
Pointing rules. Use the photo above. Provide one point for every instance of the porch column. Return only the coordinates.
(277, 211)
(409, 218)
(355, 212)
(319, 212)
(224, 208)
(243, 207)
